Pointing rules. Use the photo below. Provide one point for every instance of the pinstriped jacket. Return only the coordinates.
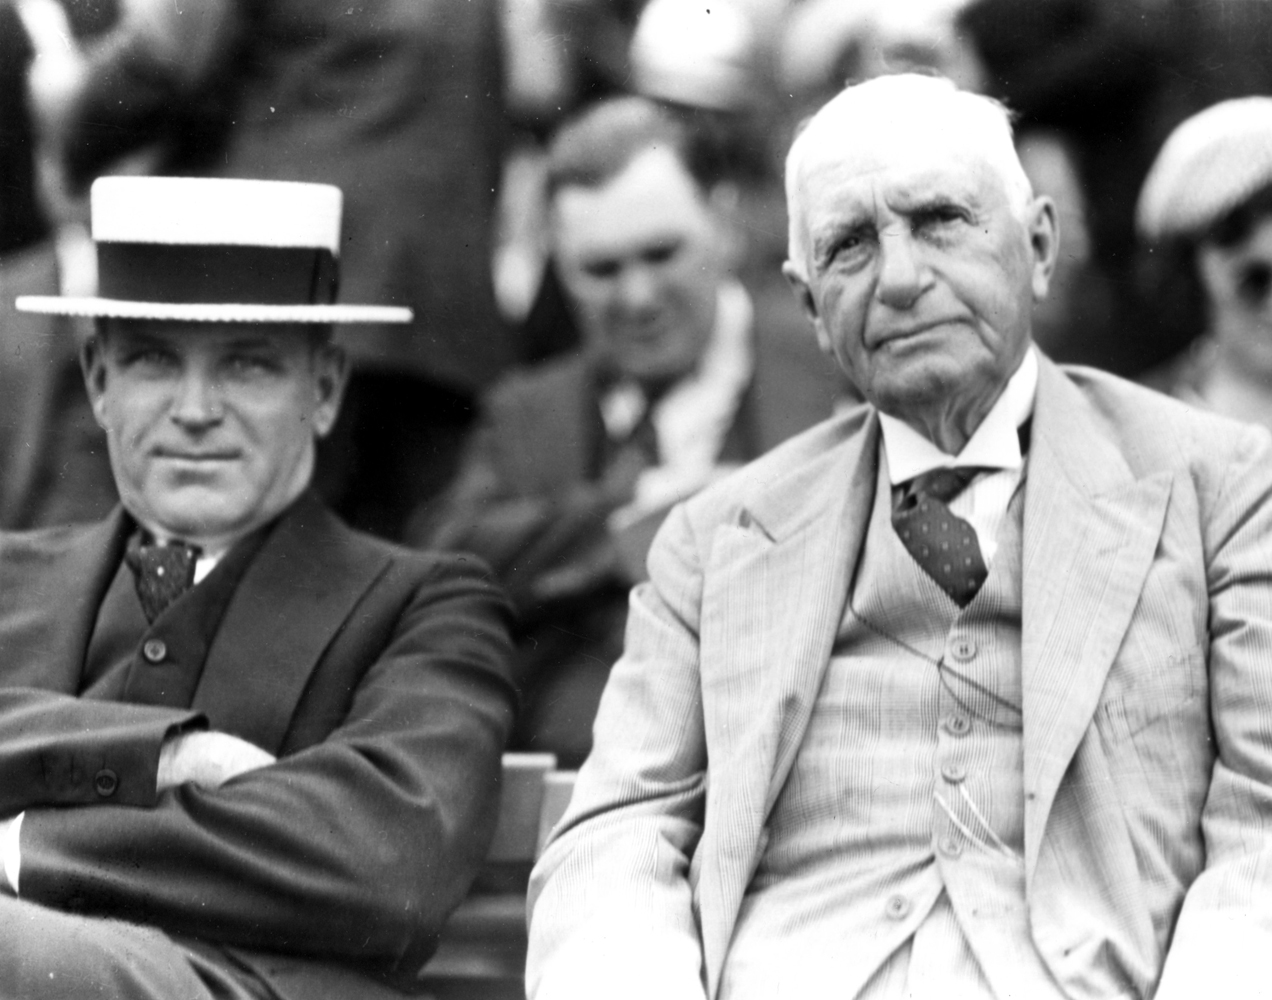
(1147, 691)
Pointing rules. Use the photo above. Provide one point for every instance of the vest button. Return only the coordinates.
(898, 907)
(962, 649)
(154, 650)
(957, 724)
(950, 847)
(105, 782)
(953, 773)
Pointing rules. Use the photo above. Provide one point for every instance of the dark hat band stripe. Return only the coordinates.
(153, 272)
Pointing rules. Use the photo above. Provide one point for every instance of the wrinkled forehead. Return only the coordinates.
(897, 172)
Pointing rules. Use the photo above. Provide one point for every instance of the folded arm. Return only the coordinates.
(357, 845)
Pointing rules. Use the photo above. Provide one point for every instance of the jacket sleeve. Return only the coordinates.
(610, 905)
(1224, 933)
(59, 750)
(356, 847)
(547, 549)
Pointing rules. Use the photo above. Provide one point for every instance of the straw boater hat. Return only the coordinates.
(1209, 165)
(201, 249)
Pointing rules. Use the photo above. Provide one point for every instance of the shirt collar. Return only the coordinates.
(994, 444)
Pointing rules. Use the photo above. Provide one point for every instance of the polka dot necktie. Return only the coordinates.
(942, 543)
(161, 573)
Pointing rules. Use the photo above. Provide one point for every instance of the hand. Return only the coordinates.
(207, 758)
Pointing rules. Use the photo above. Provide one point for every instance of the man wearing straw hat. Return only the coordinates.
(244, 751)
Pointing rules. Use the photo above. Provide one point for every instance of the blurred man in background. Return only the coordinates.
(578, 459)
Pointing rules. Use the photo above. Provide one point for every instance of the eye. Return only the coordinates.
(850, 248)
(603, 268)
(939, 218)
(148, 359)
(660, 254)
(247, 365)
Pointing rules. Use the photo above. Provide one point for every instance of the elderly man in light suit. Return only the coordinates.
(962, 693)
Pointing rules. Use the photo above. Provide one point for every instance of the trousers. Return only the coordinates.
(49, 955)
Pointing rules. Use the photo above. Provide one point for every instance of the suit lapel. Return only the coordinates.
(290, 603)
(1091, 530)
(811, 562)
(775, 593)
(51, 585)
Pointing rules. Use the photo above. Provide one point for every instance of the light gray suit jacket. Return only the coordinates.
(1147, 677)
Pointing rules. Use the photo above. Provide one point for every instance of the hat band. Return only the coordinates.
(176, 273)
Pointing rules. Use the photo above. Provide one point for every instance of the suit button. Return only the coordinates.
(105, 782)
(950, 847)
(953, 773)
(898, 908)
(154, 650)
(962, 649)
(957, 724)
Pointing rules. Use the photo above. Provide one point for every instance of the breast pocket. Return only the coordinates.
(1141, 696)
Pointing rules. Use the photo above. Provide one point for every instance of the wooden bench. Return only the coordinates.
(482, 952)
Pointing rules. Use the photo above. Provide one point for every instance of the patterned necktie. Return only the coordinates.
(942, 543)
(162, 573)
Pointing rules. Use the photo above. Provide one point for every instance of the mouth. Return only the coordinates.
(184, 455)
(898, 337)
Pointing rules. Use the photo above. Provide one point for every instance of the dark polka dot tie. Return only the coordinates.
(942, 543)
(162, 573)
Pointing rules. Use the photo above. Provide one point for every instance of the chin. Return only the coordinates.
(200, 516)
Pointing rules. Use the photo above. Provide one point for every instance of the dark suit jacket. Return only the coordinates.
(532, 498)
(377, 675)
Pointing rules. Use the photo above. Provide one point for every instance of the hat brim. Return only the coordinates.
(198, 312)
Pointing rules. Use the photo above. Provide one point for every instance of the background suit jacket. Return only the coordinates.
(532, 499)
(1147, 680)
(379, 678)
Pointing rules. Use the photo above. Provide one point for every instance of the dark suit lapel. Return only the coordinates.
(292, 600)
(1091, 531)
(51, 585)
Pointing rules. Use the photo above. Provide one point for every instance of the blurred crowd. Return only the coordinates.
(545, 182)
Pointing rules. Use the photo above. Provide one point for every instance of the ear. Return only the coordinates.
(807, 303)
(93, 365)
(331, 365)
(1044, 244)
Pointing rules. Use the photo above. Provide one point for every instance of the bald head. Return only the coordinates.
(927, 115)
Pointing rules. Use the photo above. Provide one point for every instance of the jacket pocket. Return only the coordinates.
(1151, 694)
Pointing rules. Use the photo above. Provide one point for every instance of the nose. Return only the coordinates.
(903, 277)
(638, 290)
(197, 404)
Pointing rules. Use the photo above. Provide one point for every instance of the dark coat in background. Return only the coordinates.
(396, 102)
(533, 497)
(378, 677)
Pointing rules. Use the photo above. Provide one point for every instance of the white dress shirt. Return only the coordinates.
(994, 445)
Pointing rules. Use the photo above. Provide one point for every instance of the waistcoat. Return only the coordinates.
(869, 886)
(160, 663)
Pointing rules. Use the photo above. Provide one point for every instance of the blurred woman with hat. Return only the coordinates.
(1205, 220)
